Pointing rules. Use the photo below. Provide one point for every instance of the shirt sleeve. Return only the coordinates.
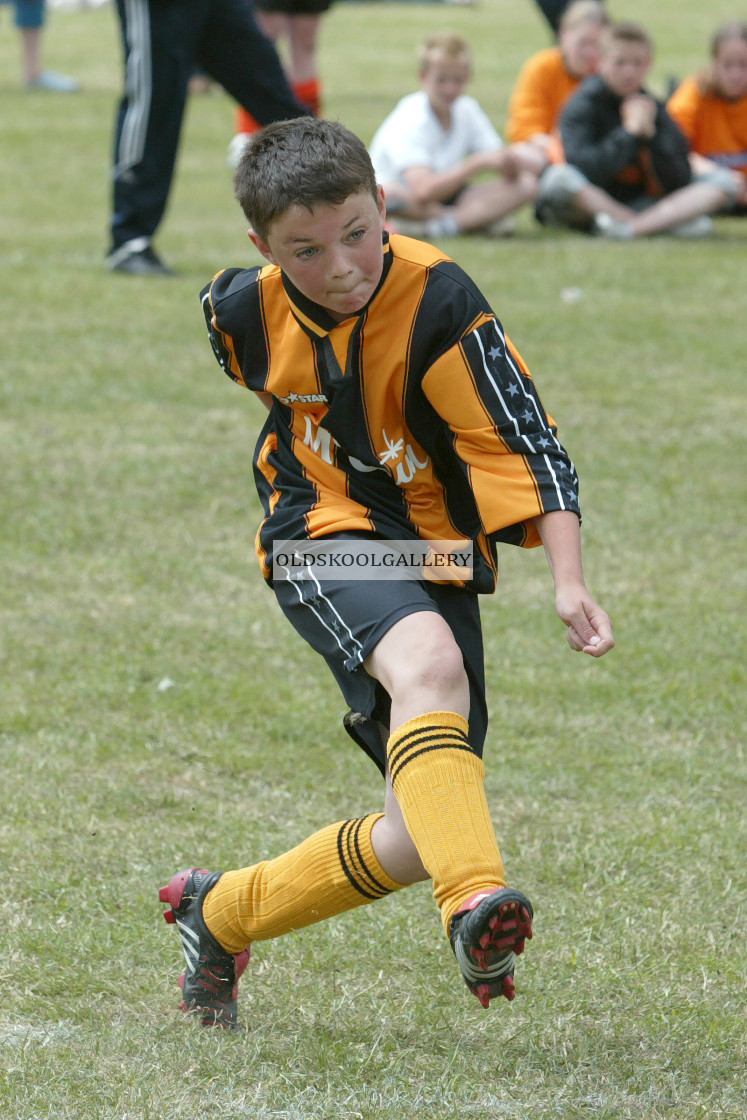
(530, 113)
(669, 152)
(232, 314)
(401, 142)
(682, 107)
(484, 137)
(518, 469)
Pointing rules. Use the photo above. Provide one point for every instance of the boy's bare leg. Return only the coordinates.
(393, 845)
(591, 200)
(30, 46)
(482, 203)
(678, 207)
(303, 31)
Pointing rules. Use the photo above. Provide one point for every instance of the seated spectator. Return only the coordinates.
(437, 141)
(627, 172)
(548, 77)
(711, 109)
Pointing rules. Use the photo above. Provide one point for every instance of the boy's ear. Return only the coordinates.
(262, 246)
(381, 201)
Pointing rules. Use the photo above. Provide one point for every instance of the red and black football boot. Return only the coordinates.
(486, 934)
(209, 981)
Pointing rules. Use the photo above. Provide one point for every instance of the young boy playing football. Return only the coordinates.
(398, 411)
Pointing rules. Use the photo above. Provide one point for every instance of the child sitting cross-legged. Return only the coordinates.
(443, 166)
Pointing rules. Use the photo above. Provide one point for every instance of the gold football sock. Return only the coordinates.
(438, 781)
(330, 872)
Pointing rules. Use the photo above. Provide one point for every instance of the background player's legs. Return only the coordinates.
(240, 56)
(159, 60)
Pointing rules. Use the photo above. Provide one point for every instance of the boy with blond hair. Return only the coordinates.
(436, 142)
(399, 414)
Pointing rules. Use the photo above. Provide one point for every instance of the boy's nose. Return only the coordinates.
(340, 265)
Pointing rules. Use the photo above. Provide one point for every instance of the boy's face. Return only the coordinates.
(580, 47)
(443, 80)
(624, 66)
(730, 68)
(332, 254)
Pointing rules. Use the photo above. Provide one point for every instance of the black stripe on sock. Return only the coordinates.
(441, 736)
(348, 868)
(366, 873)
(464, 746)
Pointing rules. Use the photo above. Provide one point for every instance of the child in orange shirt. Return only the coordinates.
(548, 78)
(711, 109)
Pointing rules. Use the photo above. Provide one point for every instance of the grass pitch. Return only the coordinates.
(155, 709)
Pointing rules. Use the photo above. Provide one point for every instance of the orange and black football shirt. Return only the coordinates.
(416, 418)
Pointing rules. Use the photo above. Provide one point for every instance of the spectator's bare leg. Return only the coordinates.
(680, 206)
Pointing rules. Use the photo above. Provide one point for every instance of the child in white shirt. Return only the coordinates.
(436, 141)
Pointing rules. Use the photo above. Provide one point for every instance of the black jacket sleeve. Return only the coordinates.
(669, 153)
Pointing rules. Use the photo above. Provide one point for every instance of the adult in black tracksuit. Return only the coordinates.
(163, 41)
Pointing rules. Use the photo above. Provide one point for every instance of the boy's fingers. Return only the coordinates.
(596, 644)
(574, 640)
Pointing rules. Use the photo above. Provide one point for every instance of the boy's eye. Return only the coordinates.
(305, 254)
(357, 234)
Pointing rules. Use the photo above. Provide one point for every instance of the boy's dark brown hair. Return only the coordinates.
(302, 162)
(627, 32)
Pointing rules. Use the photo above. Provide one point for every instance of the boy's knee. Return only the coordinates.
(560, 183)
(439, 667)
(418, 655)
(529, 185)
(722, 178)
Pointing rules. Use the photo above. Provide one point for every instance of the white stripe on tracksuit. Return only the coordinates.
(138, 86)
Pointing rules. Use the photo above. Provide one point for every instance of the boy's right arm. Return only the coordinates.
(426, 185)
(588, 628)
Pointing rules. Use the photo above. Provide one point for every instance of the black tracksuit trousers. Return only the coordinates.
(163, 42)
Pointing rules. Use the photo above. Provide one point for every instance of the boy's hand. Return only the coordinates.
(589, 628)
(507, 162)
(638, 114)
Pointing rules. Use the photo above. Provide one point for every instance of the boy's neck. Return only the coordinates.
(442, 115)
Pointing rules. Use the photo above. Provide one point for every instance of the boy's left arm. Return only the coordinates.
(588, 627)
(670, 152)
